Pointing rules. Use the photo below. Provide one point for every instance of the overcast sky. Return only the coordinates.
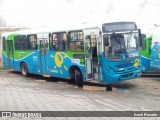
(37, 13)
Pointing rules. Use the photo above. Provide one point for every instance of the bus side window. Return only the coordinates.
(32, 42)
(59, 41)
(20, 42)
(65, 41)
(17, 43)
(23, 44)
(75, 40)
(54, 42)
(94, 47)
(69, 36)
(4, 43)
(150, 44)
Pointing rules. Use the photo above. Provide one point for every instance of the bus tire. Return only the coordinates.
(109, 87)
(78, 78)
(24, 69)
(72, 81)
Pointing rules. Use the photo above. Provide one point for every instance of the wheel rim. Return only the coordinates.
(23, 70)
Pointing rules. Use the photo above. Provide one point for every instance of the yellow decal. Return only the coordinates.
(65, 56)
(59, 59)
(65, 68)
(136, 62)
(61, 71)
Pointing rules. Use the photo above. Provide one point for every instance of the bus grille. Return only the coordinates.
(124, 65)
(127, 75)
(128, 67)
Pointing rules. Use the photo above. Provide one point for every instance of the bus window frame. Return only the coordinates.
(28, 41)
(51, 42)
(15, 44)
(81, 41)
(4, 44)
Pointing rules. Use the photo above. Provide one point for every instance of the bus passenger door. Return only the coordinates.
(10, 54)
(88, 57)
(44, 67)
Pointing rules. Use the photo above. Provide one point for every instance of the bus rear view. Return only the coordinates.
(120, 58)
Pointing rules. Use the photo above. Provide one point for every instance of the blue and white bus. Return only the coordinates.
(106, 53)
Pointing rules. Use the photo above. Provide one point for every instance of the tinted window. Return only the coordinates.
(4, 43)
(20, 42)
(119, 26)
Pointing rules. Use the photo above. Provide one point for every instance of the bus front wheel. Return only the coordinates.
(24, 69)
(109, 87)
(78, 78)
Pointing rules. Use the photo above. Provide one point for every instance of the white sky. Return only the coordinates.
(36, 13)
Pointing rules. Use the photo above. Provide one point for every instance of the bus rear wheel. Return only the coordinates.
(24, 69)
(78, 78)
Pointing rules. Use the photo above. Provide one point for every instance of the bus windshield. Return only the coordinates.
(121, 46)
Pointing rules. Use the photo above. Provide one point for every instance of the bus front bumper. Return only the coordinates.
(113, 78)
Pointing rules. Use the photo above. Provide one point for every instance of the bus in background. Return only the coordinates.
(150, 55)
(105, 54)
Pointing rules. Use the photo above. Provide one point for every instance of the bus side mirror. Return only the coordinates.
(143, 37)
(142, 42)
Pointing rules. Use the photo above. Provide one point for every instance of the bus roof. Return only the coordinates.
(59, 28)
(52, 29)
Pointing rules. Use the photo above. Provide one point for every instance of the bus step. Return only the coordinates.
(46, 75)
(11, 69)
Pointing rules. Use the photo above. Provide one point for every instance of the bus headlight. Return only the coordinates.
(110, 70)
